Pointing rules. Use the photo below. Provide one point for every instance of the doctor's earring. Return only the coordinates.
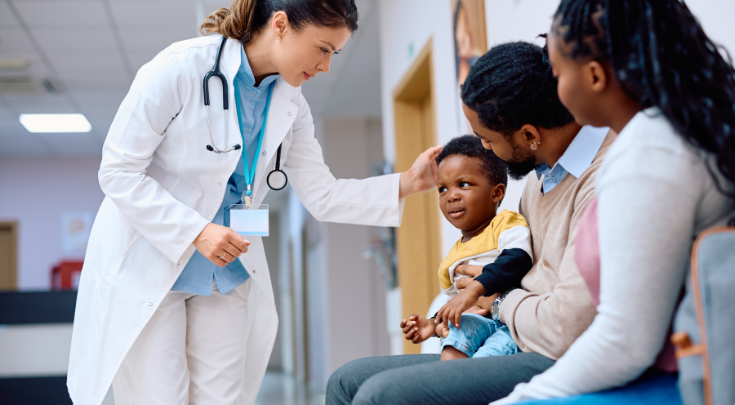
(535, 145)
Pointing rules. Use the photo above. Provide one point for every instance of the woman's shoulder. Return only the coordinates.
(193, 44)
(650, 147)
(649, 137)
(650, 129)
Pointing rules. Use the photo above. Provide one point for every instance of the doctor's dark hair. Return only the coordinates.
(245, 17)
(471, 146)
(661, 57)
(512, 85)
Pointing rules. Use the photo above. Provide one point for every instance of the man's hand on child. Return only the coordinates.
(466, 299)
(417, 328)
(468, 270)
(477, 310)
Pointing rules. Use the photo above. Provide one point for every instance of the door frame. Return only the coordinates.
(11, 282)
(419, 239)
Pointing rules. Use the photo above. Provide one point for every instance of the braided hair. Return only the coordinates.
(512, 85)
(471, 146)
(661, 57)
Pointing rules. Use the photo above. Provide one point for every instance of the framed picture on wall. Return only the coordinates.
(76, 227)
(470, 42)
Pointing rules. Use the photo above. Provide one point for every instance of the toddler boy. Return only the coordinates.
(472, 182)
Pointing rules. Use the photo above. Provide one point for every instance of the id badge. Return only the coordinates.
(251, 221)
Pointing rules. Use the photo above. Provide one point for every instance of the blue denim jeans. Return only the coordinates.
(478, 336)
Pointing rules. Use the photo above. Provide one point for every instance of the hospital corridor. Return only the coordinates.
(182, 193)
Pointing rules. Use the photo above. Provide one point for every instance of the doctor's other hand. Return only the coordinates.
(417, 328)
(422, 176)
(220, 244)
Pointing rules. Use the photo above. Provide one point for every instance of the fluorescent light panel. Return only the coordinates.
(55, 123)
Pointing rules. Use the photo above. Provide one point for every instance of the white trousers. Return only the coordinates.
(192, 351)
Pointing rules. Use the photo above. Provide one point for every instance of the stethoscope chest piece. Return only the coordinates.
(277, 180)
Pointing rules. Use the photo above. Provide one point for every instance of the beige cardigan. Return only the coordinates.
(554, 307)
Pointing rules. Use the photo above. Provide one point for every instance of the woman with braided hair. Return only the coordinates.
(647, 69)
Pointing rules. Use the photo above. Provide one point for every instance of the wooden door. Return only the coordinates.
(8, 256)
(418, 239)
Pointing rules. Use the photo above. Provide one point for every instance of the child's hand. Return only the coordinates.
(452, 311)
(442, 330)
(417, 328)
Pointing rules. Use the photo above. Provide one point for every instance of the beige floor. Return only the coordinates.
(278, 389)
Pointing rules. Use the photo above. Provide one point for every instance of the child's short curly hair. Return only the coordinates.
(471, 146)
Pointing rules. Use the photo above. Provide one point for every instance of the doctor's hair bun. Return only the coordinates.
(471, 146)
(511, 86)
(245, 17)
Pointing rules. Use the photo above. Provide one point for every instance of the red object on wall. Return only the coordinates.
(65, 276)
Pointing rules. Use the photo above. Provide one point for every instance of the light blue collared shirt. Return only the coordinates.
(196, 278)
(575, 160)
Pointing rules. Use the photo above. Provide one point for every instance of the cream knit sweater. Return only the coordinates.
(554, 307)
(655, 195)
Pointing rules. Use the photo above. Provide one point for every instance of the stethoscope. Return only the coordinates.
(276, 179)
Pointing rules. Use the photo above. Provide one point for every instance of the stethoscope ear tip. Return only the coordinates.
(237, 146)
(210, 148)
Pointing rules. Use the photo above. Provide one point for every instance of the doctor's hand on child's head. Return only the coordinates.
(220, 244)
(422, 176)
(417, 328)
(467, 298)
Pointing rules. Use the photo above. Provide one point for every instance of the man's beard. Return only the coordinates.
(521, 164)
(517, 171)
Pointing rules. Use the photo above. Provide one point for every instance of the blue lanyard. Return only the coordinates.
(250, 172)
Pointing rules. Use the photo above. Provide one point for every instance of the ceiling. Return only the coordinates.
(89, 51)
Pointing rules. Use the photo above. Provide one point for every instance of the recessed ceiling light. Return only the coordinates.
(55, 122)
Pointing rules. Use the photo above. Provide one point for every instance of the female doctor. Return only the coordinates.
(174, 307)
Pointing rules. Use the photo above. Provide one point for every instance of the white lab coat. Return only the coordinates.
(163, 187)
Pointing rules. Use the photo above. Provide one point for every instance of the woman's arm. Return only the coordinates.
(646, 222)
(135, 134)
(376, 201)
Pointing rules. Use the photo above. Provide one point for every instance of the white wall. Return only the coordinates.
(344, 294)
(356, 312)
(35, 192)
(716, 19)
